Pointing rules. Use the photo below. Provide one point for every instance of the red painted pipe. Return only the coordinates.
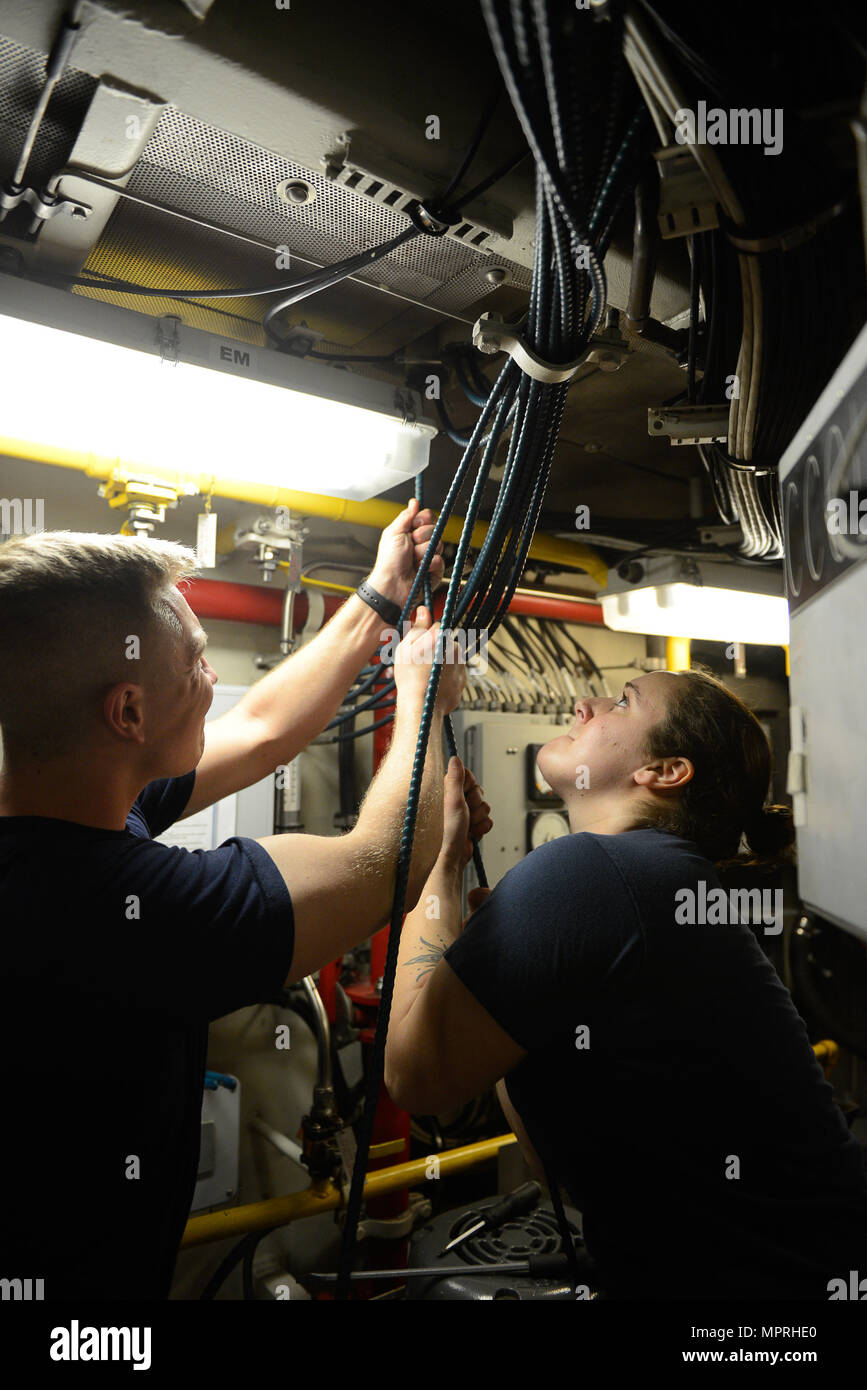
(248, 603)
(568, 610)
(252, 603)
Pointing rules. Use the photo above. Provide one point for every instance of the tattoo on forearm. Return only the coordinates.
(429, 959)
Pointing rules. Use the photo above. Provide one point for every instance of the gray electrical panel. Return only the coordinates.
(499, 750)
(823, 494)
(248, 812)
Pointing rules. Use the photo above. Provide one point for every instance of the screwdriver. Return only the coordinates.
(540, 1266)
(524, 1198)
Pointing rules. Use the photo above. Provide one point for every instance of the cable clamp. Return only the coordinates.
(755, 244)
(168, 339)
(689, 424)
(432, 223)
(405, 405)
(491, 334)
(44, 205)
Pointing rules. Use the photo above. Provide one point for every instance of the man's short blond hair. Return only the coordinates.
(69, 602)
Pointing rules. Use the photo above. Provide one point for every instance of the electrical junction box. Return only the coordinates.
(823, 496)
(248, 812)
(217, 1179)
(499, 749)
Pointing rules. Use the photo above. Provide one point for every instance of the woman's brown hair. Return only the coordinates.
(725, 798)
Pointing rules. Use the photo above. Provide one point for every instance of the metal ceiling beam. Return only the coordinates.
(295, 81)
(272, 81)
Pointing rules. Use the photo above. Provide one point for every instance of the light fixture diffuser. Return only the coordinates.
(91, 378)
(717, 602)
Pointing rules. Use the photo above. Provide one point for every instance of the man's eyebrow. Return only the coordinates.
(630, 685)
(197, 644)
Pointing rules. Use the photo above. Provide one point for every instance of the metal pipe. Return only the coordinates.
(326, 1196)
(374, 513)
(249, 603)
(644, 250)
(323, 1032)
(282, 1143)
(287, 641)
(644, 255)
(677, 653)
(54, 69)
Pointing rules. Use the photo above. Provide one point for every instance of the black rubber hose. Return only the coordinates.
(236, 1254)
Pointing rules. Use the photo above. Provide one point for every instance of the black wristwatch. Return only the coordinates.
(388, 611)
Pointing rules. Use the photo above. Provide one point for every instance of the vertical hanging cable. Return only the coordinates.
(531, 42)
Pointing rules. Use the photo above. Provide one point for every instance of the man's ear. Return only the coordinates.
(123, 710)
(665, 774)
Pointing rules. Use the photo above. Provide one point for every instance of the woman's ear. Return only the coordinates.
(665, 774)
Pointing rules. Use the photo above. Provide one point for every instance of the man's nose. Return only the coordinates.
(210, 672)
(584, 710)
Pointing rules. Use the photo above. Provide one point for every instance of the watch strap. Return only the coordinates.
(387, 610)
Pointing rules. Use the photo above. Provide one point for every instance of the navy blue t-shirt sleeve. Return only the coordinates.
(196, 934)
(554, 935)
(163, 802)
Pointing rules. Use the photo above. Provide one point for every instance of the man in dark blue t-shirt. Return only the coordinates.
(653, 1061)
(117, 951)
(108, 1032)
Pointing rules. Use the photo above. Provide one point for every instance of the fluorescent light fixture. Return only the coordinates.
(82, 376)
(721, 603)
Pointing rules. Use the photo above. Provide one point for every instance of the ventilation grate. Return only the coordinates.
(210, 173)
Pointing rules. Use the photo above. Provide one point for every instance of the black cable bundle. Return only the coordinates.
(545, 52)
(783, 277)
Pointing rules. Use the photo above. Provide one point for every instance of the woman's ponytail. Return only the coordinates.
(724, 800)
(770, 833)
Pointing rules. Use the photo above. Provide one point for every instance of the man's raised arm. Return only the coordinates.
(342, 887)
(290, 706)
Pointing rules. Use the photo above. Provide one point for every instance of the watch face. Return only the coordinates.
(543, 826)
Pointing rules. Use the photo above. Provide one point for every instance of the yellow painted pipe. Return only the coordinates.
(319, 583)
(677, 653)
(326, 1196)
(788, 671)
(375, 512)
(827, 1054)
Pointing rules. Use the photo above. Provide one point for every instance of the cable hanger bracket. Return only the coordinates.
(45, 205)
(491, 334)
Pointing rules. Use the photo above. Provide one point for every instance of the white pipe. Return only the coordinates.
(281, 1142)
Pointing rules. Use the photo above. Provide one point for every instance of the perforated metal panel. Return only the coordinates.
(214, 175)
(211, 174)
(213, 163)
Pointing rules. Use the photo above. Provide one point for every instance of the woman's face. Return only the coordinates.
(607, 744)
